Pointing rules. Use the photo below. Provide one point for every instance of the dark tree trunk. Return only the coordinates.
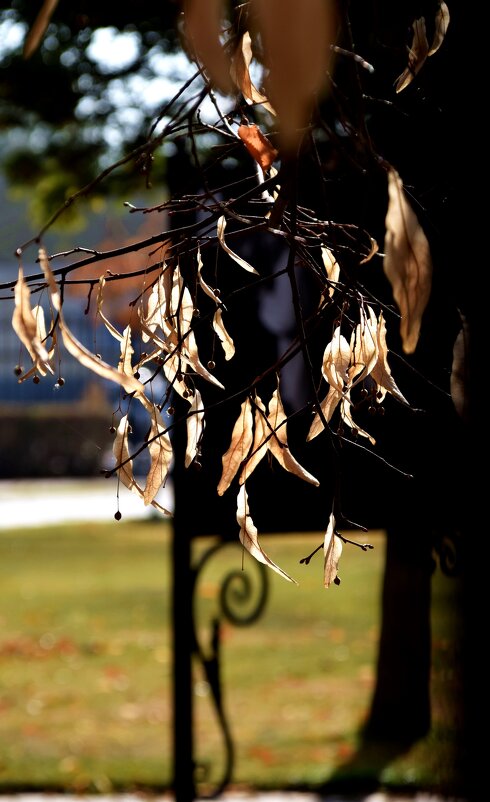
(400, 709)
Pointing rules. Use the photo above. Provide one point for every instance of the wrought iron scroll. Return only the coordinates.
(242, 600)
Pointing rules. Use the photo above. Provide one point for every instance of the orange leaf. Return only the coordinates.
(258, 145)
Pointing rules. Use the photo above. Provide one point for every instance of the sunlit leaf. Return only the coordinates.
(346, 415)
(336, 361)
(239, 448)
(249, 535)
(238, 259)
(161, 456)
(203, 284)
(26, 327)
(240, 74)
(259, 147)
(364, 346)
(332, 267)
(195, 428)
(328, 407)
(332, 550)
(259, 445)
(278, 444)
(381, 372)
(417, 55)
(223, 336)
(100, 301)
(441, 25)
(124, 465)
(407, 262)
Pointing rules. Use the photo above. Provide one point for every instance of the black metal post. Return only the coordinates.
(183, 639)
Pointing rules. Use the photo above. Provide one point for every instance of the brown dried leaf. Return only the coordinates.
(127, 351)
(38, 28)
(161, 455)
(50, 279)
(336, 361)
(223, 336)
(459, 383)
(124, 465)
(332, 267)
(25, 326)
(328, 407)
(297, 39)
(372, 251)
(195, 428)
(407, 262)
(238, 259)
(381, 372)
(259, 445)
(202, 25)
(76, 348)
(416, 57)
(100, 301)
(441, 25)
(239, 448)
(259, 147)
(98, 366)
(364, 346)
(278, 444)
(332, 550)
(249, 536)
(346, 415)
(203, 284)
(240, 74)
(156, 307)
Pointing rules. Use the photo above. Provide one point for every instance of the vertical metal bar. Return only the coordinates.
(183, 644)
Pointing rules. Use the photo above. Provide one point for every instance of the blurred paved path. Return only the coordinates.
(37, 502)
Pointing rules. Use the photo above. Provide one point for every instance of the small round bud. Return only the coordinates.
(211, 364)
(61, 381)
(117, 516)
(364, 393)
(112, 429)
(137, 374)
(196, 313)
(217, 292)
(18, 370)
(381, 411)
(197, 465)
(372, 410)
(36, 379)
(171, 411)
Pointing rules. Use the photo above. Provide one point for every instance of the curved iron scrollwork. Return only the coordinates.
(448, 548)
(242, 600)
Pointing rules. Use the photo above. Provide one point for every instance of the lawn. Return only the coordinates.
(86, 663)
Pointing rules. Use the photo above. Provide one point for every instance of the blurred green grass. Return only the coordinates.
(86, 664)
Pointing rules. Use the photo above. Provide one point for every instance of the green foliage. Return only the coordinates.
(64, 113)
